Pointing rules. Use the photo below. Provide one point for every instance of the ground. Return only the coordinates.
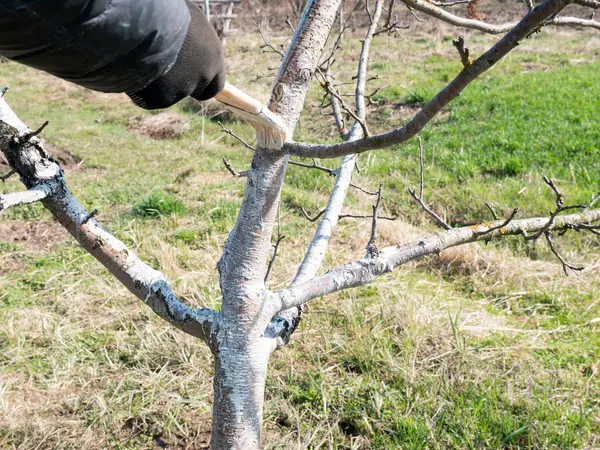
(485, 346)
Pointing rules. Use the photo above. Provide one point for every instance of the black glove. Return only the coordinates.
(198, 70)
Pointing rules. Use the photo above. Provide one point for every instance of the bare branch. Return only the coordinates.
(372, 251)
(391, 29)
(266, 37)
(575, 21)
(35, 194)
(390, 14)
(26, 137)
(45, 180)
(284, 325)
(361, 78)
(419, 198)
(592, 202)
(501, 225)
(447, 4)
(465, 57)
(565, 264)
(336, 95)
(280, 238)
(366, 270)
(7, 175)
(366, 216)
(492, 210)
(553, 214)
(431, 9)
(231, 133)
(315, 218)
(336, 109)
(530, 23)
(232, 171)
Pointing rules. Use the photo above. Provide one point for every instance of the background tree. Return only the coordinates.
(254, 321)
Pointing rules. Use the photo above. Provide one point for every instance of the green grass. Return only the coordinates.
(159, 204)
(483, 347)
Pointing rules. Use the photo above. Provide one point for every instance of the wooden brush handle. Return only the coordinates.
(232, 96)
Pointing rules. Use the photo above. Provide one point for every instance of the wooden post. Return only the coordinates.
(207, 9)
(227, 23)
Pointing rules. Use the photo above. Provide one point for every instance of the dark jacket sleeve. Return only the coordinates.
(157, 51)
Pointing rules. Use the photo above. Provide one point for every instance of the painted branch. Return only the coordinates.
(35, 194)
(286, 323)
(366, 270)
(530, 23)
(434, 10)
(43, 175)
(575, 21)
(361, 78)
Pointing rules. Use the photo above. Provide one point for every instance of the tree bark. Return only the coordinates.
(239, 387)
(242, 341)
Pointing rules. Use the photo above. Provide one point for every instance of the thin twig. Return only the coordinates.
(331, 172)
(355, 186)
(421, 166)
(446, 4)
(264, 34)
(372, 251)
(276, 245)
(553, 214)
(234, 172)
(592, 202)
(289, 24)
(231, 133)
(333, 93)
(419, 198)
(492, 210)
(465, 56)
(565, 264)
(7, 175)
(28, 136)
(336, 110)
(343, 216)
(502, 225)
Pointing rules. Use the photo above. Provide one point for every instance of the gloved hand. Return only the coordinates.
(156, 51)
(198, 71)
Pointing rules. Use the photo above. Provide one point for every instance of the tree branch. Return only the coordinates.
(35, 194)
(366, 270)
(530, 23)
(419, 198)
(565, 265)
(46, 183)
(285, 324)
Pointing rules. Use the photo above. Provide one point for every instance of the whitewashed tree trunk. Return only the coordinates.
(242, 348)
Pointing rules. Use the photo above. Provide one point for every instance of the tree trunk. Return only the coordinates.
(239, 386)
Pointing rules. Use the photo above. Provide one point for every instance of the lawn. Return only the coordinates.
(485, 346)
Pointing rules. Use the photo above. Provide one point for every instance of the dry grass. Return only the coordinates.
(164, 125)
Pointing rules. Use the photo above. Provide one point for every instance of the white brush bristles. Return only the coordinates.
(271, 132)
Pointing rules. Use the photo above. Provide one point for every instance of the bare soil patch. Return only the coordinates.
(35, 235)
(166, 125)
(67, 160)
(10, 263)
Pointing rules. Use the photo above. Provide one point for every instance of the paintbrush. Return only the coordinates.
(271, 131)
